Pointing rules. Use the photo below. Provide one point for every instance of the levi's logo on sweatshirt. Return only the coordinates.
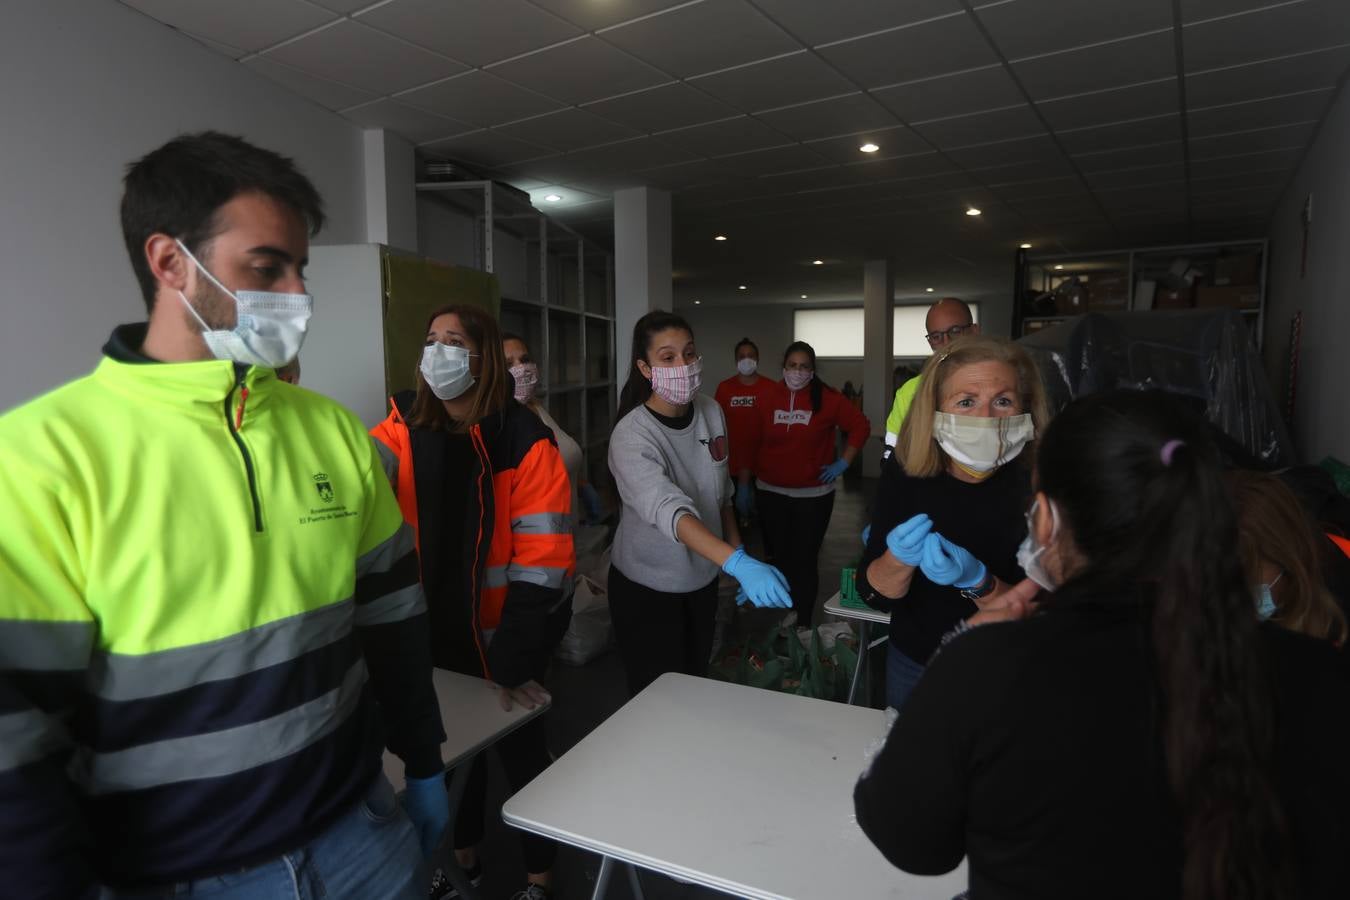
(743, 401)
(791, 416)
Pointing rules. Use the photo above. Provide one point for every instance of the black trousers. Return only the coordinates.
(659, 632)
(794, 529)
(523, 754)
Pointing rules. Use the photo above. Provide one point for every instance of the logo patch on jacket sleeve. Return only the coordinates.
(718, 448)
(324, 487)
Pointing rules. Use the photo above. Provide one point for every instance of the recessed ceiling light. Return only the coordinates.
(719, 237)
(698, 302)
(928, 290)
(741, 288)
(1025, 246)
(817, 262)
(972, 211)
(1058, 266)
(869, 147)
(553, 198)
(803, 296)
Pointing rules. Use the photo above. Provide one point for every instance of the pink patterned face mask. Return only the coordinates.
(526, 377)
(677, 385)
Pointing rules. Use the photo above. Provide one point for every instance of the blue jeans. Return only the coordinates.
(371, 853)
(902, 673)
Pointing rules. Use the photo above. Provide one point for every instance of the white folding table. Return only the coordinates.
(865, 619)
(474, 720)
(731, 787)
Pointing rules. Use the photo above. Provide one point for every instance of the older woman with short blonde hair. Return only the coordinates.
(949, 513)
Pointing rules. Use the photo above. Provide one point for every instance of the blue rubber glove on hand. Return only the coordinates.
(590, 501)
(745, 499)
(761, 583)
(945, 563)
(905, 540)
(867, 535)
(428, 805)
(833, 470)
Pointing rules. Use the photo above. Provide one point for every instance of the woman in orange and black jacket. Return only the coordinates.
(480, 479)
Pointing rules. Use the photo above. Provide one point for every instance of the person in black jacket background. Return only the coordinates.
(1141, 734)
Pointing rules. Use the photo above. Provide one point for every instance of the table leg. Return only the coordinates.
(602, 879)
(459, 779)
(634, 881)
(864, 635)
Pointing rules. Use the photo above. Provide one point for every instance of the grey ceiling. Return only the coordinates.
(1073, 124)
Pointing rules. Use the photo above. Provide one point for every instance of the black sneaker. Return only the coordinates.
(442, 889)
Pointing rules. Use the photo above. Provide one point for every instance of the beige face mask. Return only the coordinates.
(982, 444)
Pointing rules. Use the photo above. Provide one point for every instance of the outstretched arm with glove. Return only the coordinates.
(761, 583)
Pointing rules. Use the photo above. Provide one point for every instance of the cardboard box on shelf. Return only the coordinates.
(1236, 296)
(1173, 298)
(1237, 269)
(1107, 292)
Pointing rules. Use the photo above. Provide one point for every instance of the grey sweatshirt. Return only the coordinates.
(664, 474)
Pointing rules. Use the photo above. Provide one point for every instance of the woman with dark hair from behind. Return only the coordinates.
(668, 455)
(1142, 734)
(1282, 557)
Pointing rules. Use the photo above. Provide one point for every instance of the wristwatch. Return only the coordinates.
(981, 590)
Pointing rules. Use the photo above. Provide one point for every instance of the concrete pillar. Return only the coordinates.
(642, 265)
(878, 356)
(391, 193)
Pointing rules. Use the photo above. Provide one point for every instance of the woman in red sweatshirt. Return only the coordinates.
(795, 469)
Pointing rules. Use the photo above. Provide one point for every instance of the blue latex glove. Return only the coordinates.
(761, 583)
(905, 541)
(945, 563)
(428, 805)
(867, 535)
(745, 499)
(833, 470)
(590, 501)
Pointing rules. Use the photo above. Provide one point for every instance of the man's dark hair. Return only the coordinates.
(745, 342)
(178, 189)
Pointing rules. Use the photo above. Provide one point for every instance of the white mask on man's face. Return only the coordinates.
(747, 365)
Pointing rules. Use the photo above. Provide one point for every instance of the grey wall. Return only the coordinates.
(86, 87)
(1321, 423)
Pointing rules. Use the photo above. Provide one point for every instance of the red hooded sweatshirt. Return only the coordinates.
(793, 441)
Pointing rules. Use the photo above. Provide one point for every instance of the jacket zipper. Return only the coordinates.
(474, 599)
(234, 421)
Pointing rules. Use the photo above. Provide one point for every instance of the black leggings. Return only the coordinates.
(658, 632)
(794, 529)
(523, 755)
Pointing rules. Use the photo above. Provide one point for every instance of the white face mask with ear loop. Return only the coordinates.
(446, 369)
(1030, 554)
(747, 365)
(983, 443)
(269, 329)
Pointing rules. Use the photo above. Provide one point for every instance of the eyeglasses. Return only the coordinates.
(941, 337)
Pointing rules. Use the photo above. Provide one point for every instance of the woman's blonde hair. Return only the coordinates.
(1273, 527)
(492, 388)
(918, 451)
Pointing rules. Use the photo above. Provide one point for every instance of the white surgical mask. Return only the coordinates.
(1030, 553)
(446, 369)
(796, 379)
(269, 327)
(982, 444)
(747, 365)
(526, 376)
(677, 385)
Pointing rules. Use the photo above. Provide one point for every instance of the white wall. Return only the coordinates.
(86, 86)
(344, 350)
(1321, 421)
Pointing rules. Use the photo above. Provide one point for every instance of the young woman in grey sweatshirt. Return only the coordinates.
(668, 455)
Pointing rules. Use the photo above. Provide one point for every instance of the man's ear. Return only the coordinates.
(167, 261)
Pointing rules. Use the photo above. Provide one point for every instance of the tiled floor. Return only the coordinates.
(585, 696)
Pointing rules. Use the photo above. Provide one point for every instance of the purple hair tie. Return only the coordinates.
(1168, 449)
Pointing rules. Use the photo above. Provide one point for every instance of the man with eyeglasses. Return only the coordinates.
(947, 320)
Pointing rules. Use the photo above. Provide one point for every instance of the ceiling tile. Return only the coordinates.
(851, 114)
(1195, 10)
(416, 125)
(1153, 130)
(686, 175)
(477, 32)
(951, 95)
(568, 129)
(1014, 172)
(1234, 161)
(1130, 157)
(1037, 149)
(817, 23)
(480, 98)
(627, 156)
(703, 37)
(1141, 175)
(935, 47)
(1156, 197)
(485, 148)
(1106, 107)
(1119, 63)
(1041, 187)
(997, 125)
(580, 70)
(779, 159)
(364, 58)
(590, 14)
(724, 138)
(1306, 107)
(669, 106)
(223, 49)
(894, 141)
(905, 168)
(784, 81)
(828, 179)
(1273, 178)
(250, 25)
(1274, 78)
(1279, 138)
(1266, 33)
(1030, 27)
(343, 7)
(326, 93)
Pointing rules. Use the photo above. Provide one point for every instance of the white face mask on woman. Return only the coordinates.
(526, 376)
(982, 444)
(446, 369)
(677, 385)
(796, 379)
(1030, 553)
(747, 365)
